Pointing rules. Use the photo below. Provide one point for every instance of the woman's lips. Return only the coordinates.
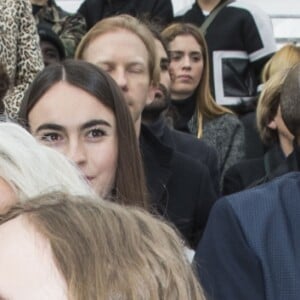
(185, 77)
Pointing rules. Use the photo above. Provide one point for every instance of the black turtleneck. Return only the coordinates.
(182, 111)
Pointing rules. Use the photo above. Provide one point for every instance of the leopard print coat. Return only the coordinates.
(19, 50)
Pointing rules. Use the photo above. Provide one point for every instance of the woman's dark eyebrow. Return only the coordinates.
(92, 123)
(51, 126)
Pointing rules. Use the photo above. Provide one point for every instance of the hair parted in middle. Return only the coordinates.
(127, 23)
(206, 106)
(107, 251)
(130, 184)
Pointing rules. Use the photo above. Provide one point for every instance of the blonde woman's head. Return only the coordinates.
(284, 58)
(101, 250)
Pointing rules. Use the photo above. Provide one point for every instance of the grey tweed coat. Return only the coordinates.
(226, 134)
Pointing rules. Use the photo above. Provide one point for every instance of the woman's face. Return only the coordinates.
(78, 125)
(186, 66)
(27, 268)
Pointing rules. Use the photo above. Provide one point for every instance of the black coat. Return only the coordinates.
(180, 188)
(95, 10)
(189, 145)
(252, 172)
(254, 147)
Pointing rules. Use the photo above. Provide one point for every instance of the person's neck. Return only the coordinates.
(180, 97)
(208, 5)
(286, 145)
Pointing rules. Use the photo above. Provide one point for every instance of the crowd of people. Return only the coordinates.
(145, 156)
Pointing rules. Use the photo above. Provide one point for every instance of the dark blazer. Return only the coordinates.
(180, 188)
(189, 145)
(249, 173)
(95, 10)
(250, 248)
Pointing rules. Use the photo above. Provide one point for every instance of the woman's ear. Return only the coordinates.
(272, 125)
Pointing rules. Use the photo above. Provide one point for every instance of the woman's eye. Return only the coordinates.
(176, 57)
(95, 133)
(50, 137)
(196, 58)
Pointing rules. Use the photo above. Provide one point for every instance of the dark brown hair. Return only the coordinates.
(130, 186)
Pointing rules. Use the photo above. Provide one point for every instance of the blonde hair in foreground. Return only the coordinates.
(106, 251)
(31, 168)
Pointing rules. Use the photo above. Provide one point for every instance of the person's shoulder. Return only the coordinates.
(190, 140)
(247, 8)
(242, 174)
(226, 120)
(247, 164)
(267, 195)
(228, 117)
(247, 170)
(187, 167)
(193, 15)
(195, 148)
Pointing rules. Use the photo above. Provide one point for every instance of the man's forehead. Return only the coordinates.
(113, 48)
(118, 34)
(128, 61)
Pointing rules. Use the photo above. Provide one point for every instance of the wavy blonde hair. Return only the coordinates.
(284, 58)
(273, 76)
(206, 106)
(105, 251)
